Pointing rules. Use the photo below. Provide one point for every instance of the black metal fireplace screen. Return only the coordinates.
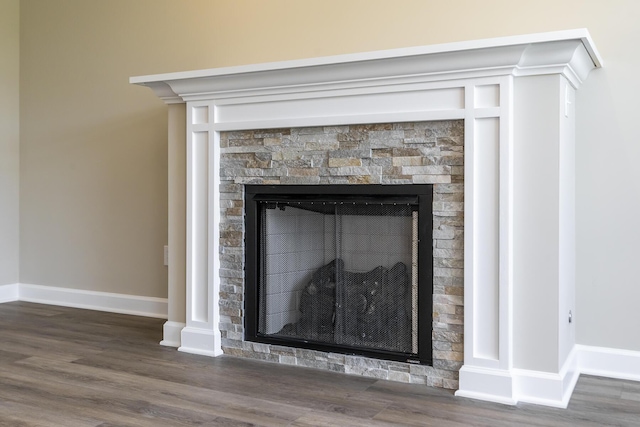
(341, 268)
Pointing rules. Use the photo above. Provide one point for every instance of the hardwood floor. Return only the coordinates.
(68, 367)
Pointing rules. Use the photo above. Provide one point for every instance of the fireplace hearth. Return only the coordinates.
(341, 268)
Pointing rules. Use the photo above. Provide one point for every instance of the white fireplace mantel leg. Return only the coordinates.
(202, 334)
(488, 248)
(176, 196)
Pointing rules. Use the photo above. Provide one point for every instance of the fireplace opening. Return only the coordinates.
(341, 268)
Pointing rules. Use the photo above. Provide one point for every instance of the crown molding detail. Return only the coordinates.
(570, 53)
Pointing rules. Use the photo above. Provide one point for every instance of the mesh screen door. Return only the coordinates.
(341, 271)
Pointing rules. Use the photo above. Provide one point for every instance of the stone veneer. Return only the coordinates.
(399, 153)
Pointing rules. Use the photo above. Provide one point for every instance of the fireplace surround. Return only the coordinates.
(516, 98)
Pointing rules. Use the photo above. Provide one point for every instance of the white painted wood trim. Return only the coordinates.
(516, 55)
(519, 385)
(609, 362)
(92, 300)
(549, 389)
(545, 388)
(492, 385)
(9, 292)
(171, 333)
(202, 341)
(202, 335)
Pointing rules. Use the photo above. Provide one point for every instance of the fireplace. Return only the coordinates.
(341, 268)
(515, 98)
(366, 164)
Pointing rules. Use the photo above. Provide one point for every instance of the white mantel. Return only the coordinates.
(516, 95)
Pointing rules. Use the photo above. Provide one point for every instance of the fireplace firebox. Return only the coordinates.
(341, 268)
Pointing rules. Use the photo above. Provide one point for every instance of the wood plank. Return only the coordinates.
(69, 367)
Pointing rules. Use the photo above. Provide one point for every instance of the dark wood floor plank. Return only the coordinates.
(323, 419)
(165, 393)
(68, 367)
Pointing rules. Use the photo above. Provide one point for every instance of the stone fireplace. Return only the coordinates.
(366, 156)
(503, 195)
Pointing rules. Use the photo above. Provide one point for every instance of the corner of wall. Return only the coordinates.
(9, 141)
(9, 293)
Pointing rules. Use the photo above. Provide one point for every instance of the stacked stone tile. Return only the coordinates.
(399, 153)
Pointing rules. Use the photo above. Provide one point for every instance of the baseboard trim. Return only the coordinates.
(93, 300)
(540, 388)
(609, 362)
(548, 389)
(9, 292)
(200, 341)
(171, 333)
(545, 388)
(519, 385)
(493, 385)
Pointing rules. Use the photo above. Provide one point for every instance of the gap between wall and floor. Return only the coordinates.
(541, 388)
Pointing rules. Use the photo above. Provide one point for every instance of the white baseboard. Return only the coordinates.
(493, 385)
(9, 293)
(519, 385)
(200, 341)
(548, 389)
(92, 300)
(609, 362)
(171, 333)
(545, 388)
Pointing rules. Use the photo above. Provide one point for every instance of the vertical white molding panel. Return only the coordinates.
(176, 229)
(488, 233)
(486, 229)
(506, 138)
(201, 335)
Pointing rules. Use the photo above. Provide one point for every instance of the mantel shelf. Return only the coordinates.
(571, 53)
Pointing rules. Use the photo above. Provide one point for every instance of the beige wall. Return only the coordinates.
(93, 161)
(9, 140)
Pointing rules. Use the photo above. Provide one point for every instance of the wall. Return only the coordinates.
(9, 140)
(93, 167)
(94, 148)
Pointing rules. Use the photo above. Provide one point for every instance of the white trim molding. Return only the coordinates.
(521, 385)
(549, 389)
(9, 292)
(486, 83)
(609, 362)
(171, 333)
(570, 53)
(93, 300)
(494, 385)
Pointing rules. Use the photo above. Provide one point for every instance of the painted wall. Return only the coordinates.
(93, 161)
(93, 147)
(9, 140)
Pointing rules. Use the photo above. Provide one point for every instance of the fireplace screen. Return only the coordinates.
(331, 269)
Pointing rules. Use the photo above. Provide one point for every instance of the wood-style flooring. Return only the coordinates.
(69, 367)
